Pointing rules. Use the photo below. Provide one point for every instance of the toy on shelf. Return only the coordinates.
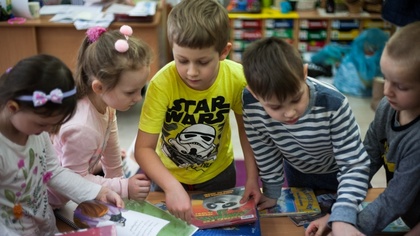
(244, 6)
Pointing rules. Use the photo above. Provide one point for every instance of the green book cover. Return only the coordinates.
(175, 227)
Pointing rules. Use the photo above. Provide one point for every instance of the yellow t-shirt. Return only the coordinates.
(195, 136)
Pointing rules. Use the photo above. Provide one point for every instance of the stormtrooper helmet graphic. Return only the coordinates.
(225, 202)
(195, 140)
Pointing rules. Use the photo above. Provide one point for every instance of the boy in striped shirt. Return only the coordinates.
(303, 129)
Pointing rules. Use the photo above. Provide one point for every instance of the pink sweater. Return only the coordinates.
(81, 139)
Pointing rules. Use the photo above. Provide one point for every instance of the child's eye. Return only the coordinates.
(204, 62)
(275, 107)
(296, 100)
(131, 93)
(399, 86)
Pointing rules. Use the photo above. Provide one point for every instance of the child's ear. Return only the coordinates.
(225, 51)
(97, 87)
(12, 106)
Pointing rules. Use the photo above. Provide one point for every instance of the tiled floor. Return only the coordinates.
(128, 121)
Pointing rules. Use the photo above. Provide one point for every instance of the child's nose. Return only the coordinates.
(138, 98)
(387, 89)
(289, 113)
(192, 70)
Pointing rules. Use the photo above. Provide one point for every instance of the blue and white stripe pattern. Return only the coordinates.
(326, 139)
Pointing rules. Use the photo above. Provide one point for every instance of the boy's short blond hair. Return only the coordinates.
(199, 24)
(403, 47)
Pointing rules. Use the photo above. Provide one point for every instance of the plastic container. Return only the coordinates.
(305, 5)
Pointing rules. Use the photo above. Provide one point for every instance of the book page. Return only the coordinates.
(137, 223)
(95, 213)
(174, 227)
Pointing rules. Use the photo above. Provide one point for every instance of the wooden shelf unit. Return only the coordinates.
(292, 28)
(63, 40)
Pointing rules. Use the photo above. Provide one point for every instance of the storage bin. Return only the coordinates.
(305, 5)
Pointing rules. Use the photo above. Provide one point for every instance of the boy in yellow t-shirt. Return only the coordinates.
(184, 138)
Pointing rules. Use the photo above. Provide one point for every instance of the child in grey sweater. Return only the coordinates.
(393, 139)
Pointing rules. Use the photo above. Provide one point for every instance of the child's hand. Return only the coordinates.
(179, 204)
(252, 191)
(414, 231)
(266, 202)
(107, 195)
(318, 227)
(345, 229)
(138, 187)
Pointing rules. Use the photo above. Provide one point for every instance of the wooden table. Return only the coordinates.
(62, 40)
(274, 226)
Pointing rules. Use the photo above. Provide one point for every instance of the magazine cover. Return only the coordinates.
(137, 218)
(251, 229)
(293, 201)
(108, 230)
(326, 201)
(217, 209)
(396, 226)
(304, 220)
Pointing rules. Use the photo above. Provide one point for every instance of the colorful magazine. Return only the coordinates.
(304, 220)
(251, 229)
(108, 230)
(396, 226)
(217, 209)
(293, 201)
(326, 201)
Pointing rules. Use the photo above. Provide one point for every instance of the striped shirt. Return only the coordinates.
(325, 139)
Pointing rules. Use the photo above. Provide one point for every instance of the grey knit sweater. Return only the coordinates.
(398, 149)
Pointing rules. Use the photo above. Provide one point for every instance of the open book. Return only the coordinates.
(137, 218)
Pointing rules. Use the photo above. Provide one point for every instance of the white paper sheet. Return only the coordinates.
(143, 9)
(20, 8)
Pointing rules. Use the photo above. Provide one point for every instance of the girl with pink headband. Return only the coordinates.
(112, 68)
(37, 94)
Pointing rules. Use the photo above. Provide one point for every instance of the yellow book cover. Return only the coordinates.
(293, 201)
